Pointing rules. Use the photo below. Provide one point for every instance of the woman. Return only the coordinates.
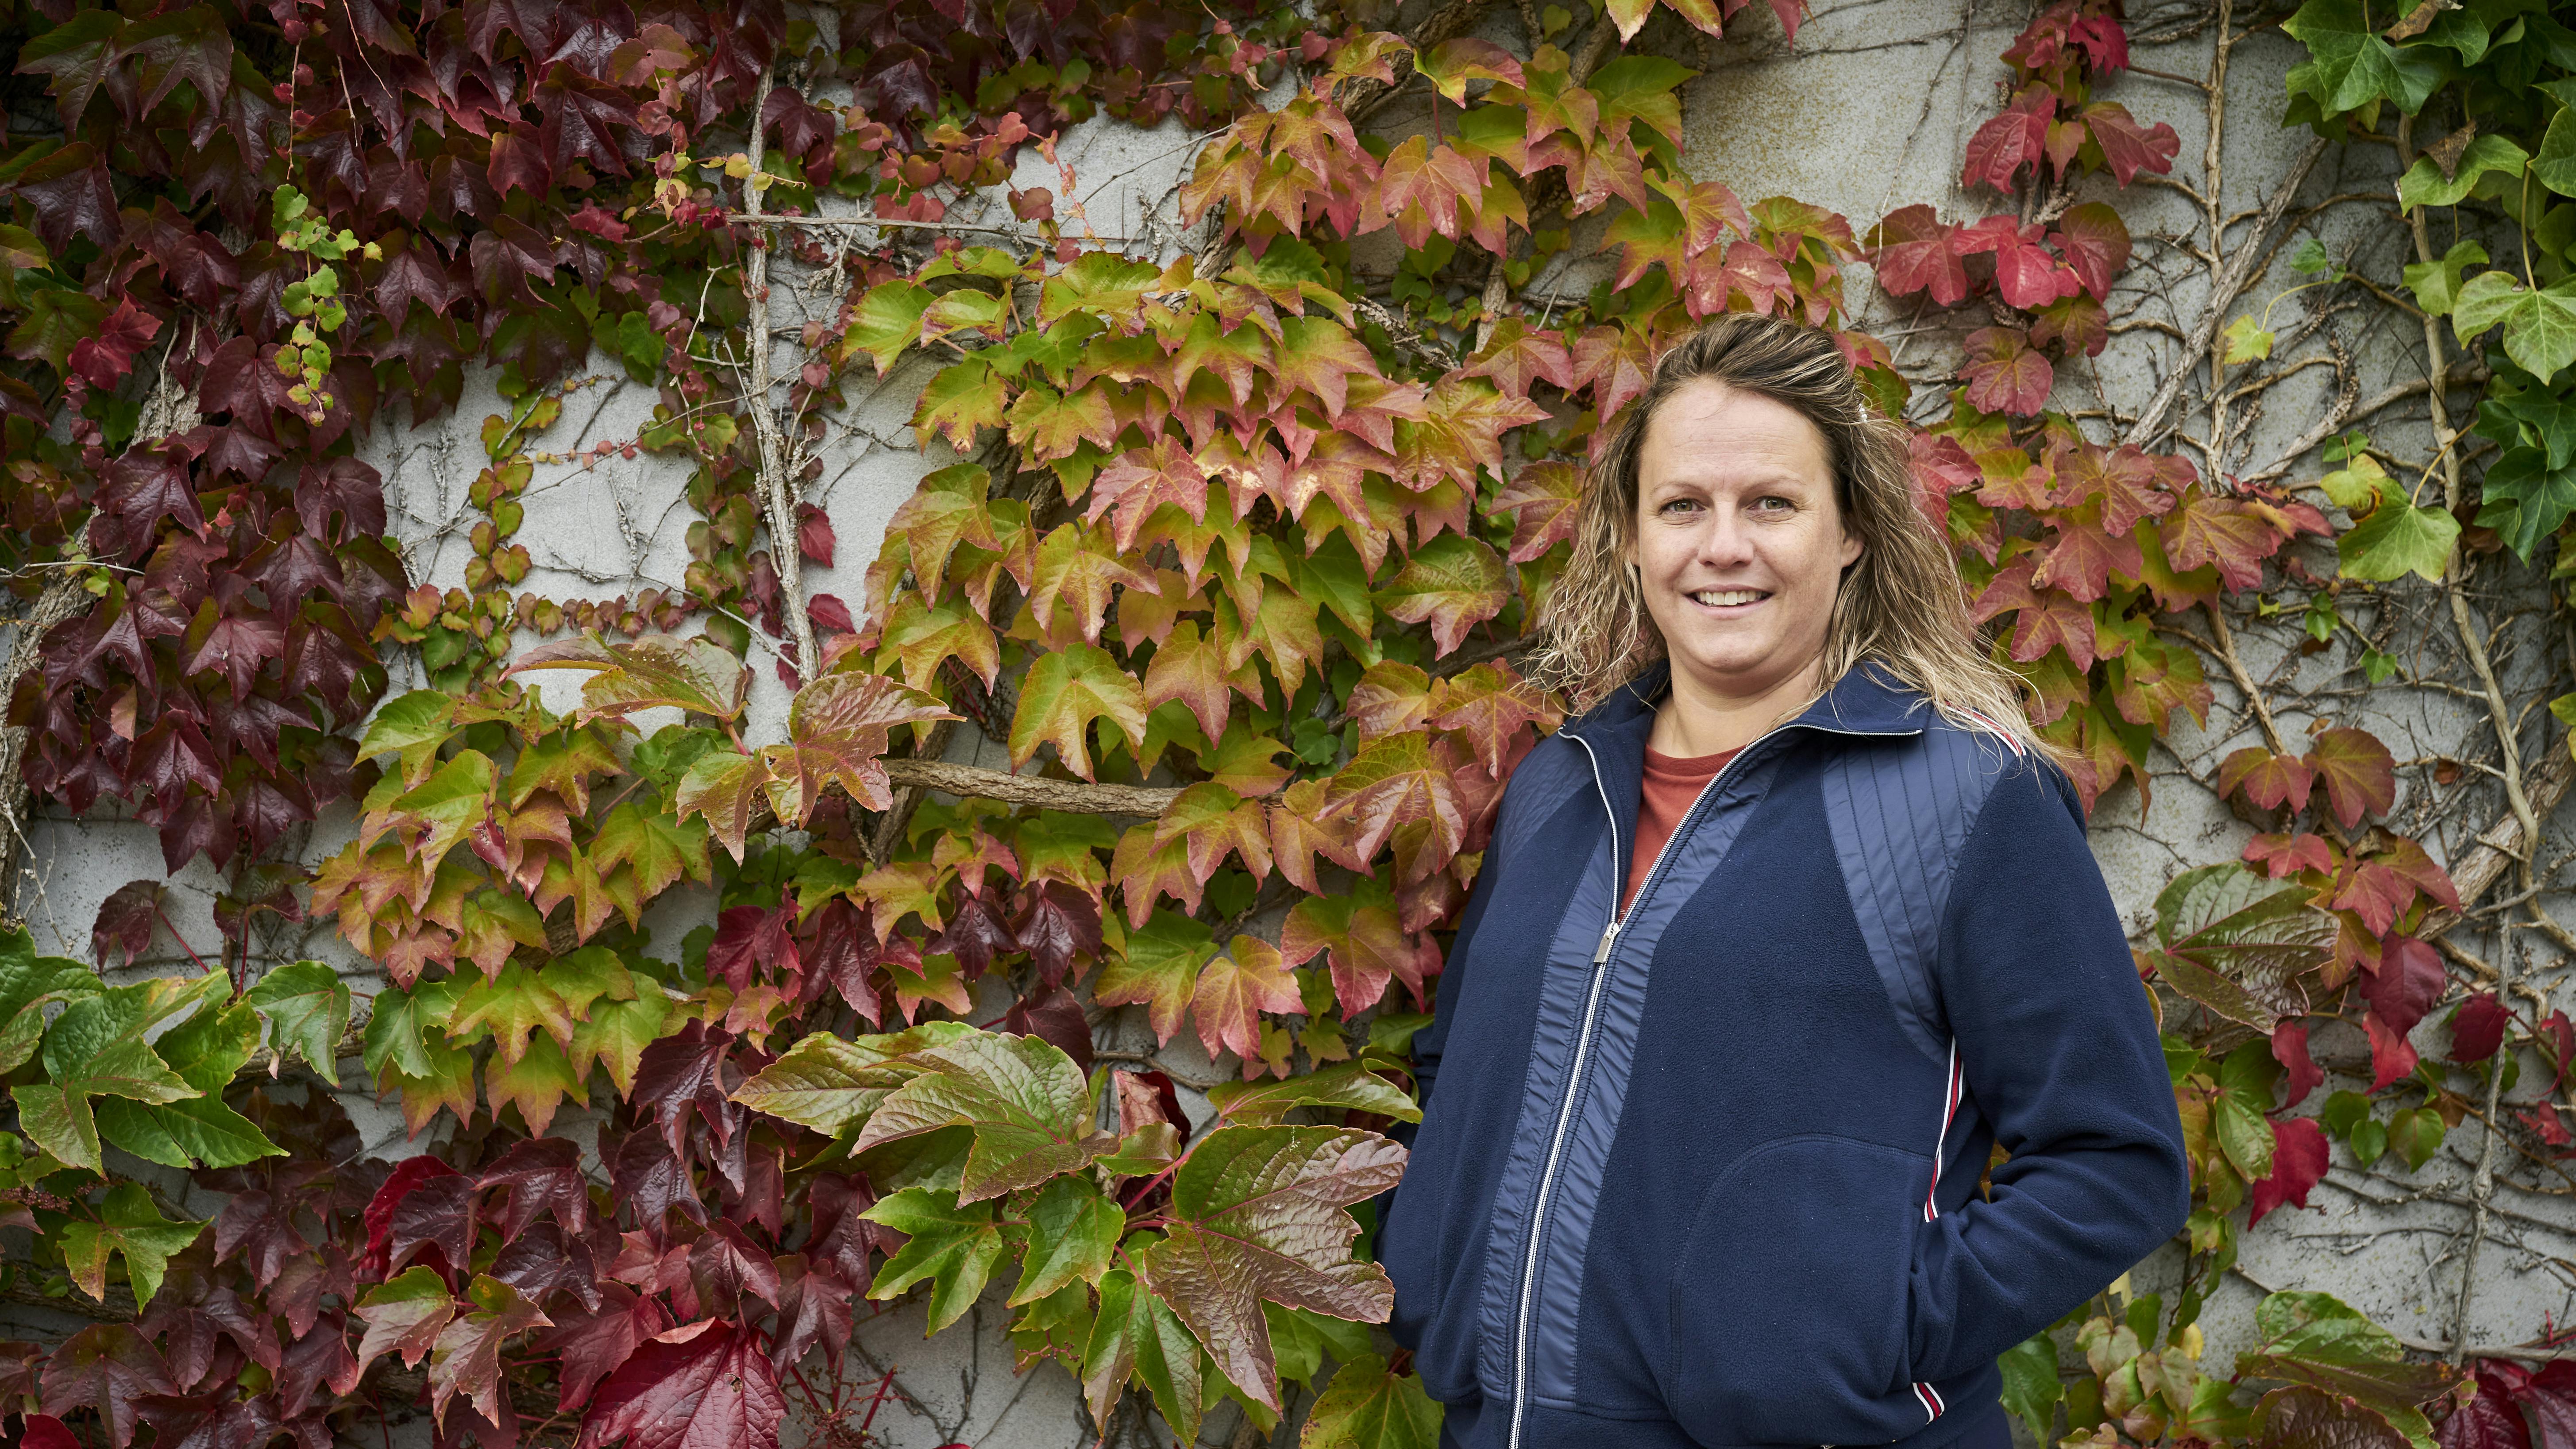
(1771, 946)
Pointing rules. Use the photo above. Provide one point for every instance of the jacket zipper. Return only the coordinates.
(1574, 1080)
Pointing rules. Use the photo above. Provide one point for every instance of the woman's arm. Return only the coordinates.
(2061, 1055)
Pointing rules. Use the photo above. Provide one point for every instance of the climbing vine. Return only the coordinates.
(719, 1027)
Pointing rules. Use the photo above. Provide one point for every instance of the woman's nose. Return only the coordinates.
(1725, 540)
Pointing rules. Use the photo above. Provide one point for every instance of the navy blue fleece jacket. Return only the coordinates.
(1709, 1178)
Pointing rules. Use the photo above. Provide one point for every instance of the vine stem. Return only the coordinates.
(2226, 641)
(2211, 180)
(777, 491)
(2482, 1183)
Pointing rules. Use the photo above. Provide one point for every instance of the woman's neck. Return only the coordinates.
(1696, 720)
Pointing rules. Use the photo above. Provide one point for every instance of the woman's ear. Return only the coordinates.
(1853, 546)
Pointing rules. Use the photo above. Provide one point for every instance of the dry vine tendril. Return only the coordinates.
(1265, 513)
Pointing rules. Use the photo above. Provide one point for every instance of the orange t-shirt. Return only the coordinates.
(1672, 785)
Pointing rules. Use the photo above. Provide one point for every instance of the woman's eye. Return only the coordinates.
(1773, 503)
(1680, 505)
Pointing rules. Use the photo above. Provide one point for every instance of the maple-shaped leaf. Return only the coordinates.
(660, 848)
(97, 1048)
(1147, 868)
(106, 1368)
(2269, 780)
(562, 761)
(1912, 251)
(1063, 693)
(695, 674)
(840, 724)
(2042, 620)
(702, 1384)
(1461, 430)
(1398, 779)
(955, 1245)
(1235, 988)
(829, 1083)
(1451, 583)
(466, 1358)
(404, 1315)
(205, 1051)
(726, 789)
(1158, 969)
(2358, 772)
(2005, 374)
(306, 1006)
(2095, 243)
(1057, 925)
(589, 1349)
(2131, 484)
(1487, 706)
(543, 1175)
(1024, 1098)
(1212, 822)
(1074, 1230)
(511, 1006)
(1078, 568)
(1542, 500)
(2242, 940)
(687, 1073)
(1190, 667)
(1366, 942)
(433, 818)
(1050, 424)
(615, 1034)
(128, 1224)
(886, 321)
(725, 1265)
(1257, 1215)
(2128, 147)
(1368, 1407)
(1139, 481)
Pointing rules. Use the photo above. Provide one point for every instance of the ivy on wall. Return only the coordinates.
(1229, 551)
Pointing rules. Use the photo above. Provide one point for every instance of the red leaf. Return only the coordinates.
(1057, 925)
(2490, 1420)
(109, 356)
(44, 1431)
(1053, 1015)
(2018, 137)
(410, 1173)
(2360, 775)
(2299, 1158)
(1912, 251)
(2095, 243)
(688, 1070)
(712, 1386)
(106, 1368)
(750, 936)
(2285, 854)
(2290, 1049)
(543, 1175)
(2004, 374)
(2269, 781)
(593, 1347)
(2478, 1030)
(2407, 984)
(125, 922)
(2042, 621)
(814, 533)
(2128, 146)
(2376, 894)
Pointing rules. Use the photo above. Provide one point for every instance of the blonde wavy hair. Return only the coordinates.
(1901, 606)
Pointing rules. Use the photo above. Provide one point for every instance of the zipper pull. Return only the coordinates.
(1609, 937)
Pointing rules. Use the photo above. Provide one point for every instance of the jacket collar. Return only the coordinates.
(1866, 701)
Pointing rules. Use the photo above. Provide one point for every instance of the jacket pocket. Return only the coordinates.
(1790, 1304)
(1435, 1302)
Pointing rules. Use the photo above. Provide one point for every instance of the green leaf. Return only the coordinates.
(2425, 185)
(2525, 498)
(1136, 1335)
(953, 1245)
(28, 984)
(2243, 1135)
(2356, 486)
(1073, 1231)
(1346, 1085)
(887, 321)
(2315, 1339)
(307, 1006)
(2416, 1133)
(695, 674)
(1258, 1214)
(1366, 1407)
(411, 729)
(2031, 1385)
(2539, 327)
(831, 1083)
(2555, 166)
(129, 1224)
(2436, 285)
(205, 1050)
(1027, 1102)
(2237, 926)
(2247, 341)
(96, 1048)
(1063, 693)
(2398, 539)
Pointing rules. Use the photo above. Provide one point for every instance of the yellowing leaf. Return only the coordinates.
(1063, 693)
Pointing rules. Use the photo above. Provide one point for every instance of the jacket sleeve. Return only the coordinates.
(2060, 1054)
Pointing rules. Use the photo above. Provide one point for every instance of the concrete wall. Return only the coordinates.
(1868, 111)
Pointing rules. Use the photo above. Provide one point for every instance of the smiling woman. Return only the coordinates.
(1822, 807)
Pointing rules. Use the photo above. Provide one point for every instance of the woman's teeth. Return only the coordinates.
(1722, 598)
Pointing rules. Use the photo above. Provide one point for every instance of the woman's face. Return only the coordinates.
(1739, 543)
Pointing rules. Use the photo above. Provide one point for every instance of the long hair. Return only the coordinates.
(1900, 606)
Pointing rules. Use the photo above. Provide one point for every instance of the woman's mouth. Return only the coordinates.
(1728, 598)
